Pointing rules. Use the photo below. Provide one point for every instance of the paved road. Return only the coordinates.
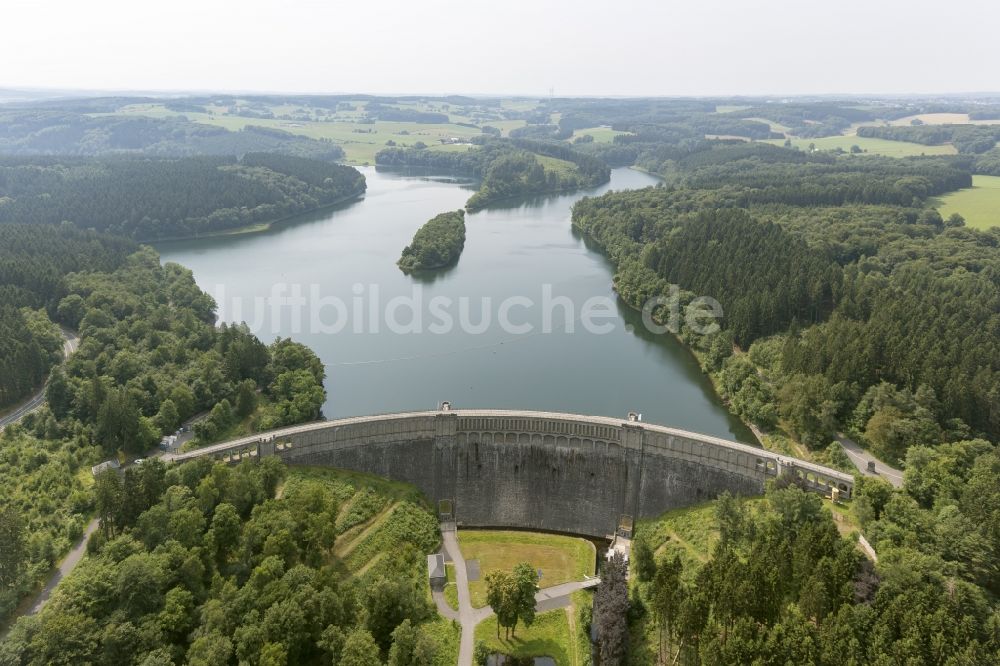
(73, 557)
(560, 596)
(444, 610)
(466, 613)
(67, 565)
(64, 568)
(860, 457)
(550, 598)
(71, 342)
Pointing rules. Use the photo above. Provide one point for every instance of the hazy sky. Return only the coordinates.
(579, 47)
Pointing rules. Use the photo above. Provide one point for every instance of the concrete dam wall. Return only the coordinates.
(562, 472)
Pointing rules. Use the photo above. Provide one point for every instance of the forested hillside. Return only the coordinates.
(756, 174)
(810, 119)
(154, 198)
(34, 263)
(64, 131)
(209, 564)
(149, 358)
(772, 582)
(885, 318)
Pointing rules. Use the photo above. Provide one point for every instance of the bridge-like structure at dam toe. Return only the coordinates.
(535, 470)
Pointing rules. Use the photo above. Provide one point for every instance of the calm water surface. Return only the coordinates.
(349, 254)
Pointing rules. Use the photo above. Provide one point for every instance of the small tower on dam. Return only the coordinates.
(537, 470)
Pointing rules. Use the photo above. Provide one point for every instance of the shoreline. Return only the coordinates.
(509, 197)
(257, 228)
(755, 431)
(512, 197)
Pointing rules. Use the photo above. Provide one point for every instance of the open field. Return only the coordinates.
(979, 204)
(873, 146)
(360, 141)
(519, 104)
(555, 164)
(600, 134)
(943, 119)
(548, 636)
(505, 126)
(775, 125)
(560, 558)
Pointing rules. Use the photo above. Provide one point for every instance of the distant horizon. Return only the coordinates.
(69, 92)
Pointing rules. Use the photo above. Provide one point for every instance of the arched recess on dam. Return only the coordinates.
(536, 470)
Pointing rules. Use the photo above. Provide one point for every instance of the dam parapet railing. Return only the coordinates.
(567, 472)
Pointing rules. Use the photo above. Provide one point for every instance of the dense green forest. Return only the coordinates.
(150, 357)
(154, 198)
(30, 344)
(438, 243)
(966, 138)
(507, 168)
(867, 312)
(64, 131)
(210, 564)
(988, 163)
(34, 262)
(781, 586)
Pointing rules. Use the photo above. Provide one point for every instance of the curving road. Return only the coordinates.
(860, 457)
(70, 344)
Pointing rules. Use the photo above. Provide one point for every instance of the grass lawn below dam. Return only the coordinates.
(557, 634)
(561, 559)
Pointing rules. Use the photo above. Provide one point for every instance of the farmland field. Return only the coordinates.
(873, 146)
(557, 165)
(506, 126)
(979, 204)
(600, 134)
(359, 140)
(943, 119)
(519, 104)
(775, 125)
